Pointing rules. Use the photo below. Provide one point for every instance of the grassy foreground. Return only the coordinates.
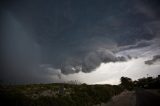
(56, 94)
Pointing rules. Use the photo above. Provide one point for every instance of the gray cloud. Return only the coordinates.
(155, 59)
(90, 62)
(139, 44)
(72, 36)
(47, 69)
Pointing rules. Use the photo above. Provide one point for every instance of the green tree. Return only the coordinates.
(127, 83)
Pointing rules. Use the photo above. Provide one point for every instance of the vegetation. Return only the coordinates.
(57, 94)
(146, 83)
(63, 94)
(127, 83)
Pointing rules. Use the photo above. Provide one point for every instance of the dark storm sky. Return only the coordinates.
(72, 35)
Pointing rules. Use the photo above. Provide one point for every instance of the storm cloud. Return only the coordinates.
(90, 62)
(155, 59)
(71, 36)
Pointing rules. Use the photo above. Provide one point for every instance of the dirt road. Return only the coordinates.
(140, 97)
(126, 98)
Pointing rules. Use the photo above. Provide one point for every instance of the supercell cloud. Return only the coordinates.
(44, 38)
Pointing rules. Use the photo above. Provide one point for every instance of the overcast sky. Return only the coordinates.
(92, 41)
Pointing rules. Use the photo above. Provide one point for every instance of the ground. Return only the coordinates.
(140, 97)
(126, 98)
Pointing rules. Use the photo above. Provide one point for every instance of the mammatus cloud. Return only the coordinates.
(155, 59)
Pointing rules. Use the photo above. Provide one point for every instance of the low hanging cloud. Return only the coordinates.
(90, 62)
(44, 38)
(47, 69)
(154, 60)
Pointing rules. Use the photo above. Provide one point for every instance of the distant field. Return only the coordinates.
(57, 94)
